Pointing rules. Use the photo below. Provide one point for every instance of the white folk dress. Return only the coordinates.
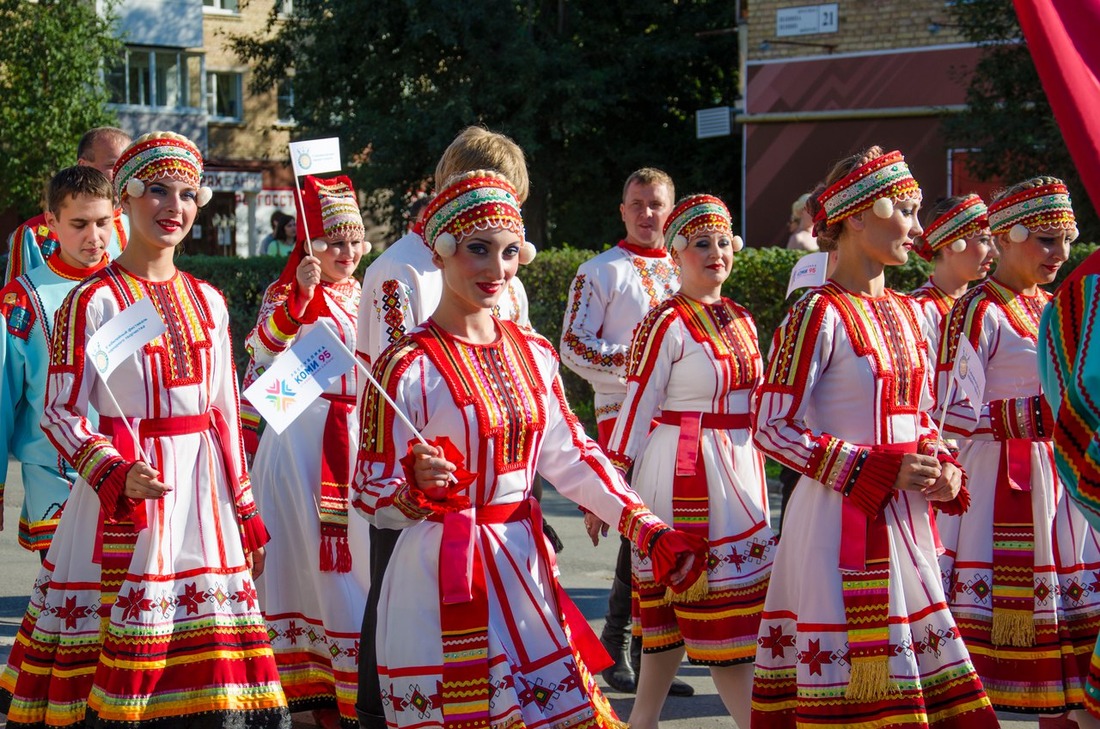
(695, 367)
(471, 618)
(145, 610)
(848, 375)
(935, 304)
(1047, 544)
(313, 607)
(608, 298)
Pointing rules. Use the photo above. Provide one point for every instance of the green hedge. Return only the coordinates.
(758, 282)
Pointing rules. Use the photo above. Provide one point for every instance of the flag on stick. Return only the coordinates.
(808, 271)
(315, 156)
(299, 376)
(130, 330)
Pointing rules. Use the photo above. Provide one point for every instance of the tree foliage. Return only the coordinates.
(590, 91)
(52, 90)
(1008, 121)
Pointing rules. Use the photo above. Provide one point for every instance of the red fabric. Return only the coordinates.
(335, 554)
(669, 551)
(658, 252)
(456, 497)
(1061, 35)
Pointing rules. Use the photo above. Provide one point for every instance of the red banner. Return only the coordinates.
(1062, 36)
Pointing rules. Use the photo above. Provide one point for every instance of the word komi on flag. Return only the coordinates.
(299, 376)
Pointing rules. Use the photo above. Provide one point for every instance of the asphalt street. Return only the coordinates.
(586, 574)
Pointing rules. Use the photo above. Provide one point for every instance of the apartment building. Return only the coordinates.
(823, 80)
(178, 74)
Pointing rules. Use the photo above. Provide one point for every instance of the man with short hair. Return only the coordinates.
(33, 242)
(610, 295)
(80, 205)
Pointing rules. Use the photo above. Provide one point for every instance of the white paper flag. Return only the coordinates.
(132, 328)
(299, 376)
(808, 271)
(314, 156)
(969, 374)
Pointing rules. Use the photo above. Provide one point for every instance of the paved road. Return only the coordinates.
(586, 574)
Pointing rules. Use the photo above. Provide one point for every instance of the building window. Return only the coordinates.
(285, 101)
(223, 95)
(224, 6)
(156, 77)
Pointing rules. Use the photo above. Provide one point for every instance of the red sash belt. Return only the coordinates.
(464, 603)
(860, 538)
(123, 439)
(691, 426)
(335, 476)
(116, 430)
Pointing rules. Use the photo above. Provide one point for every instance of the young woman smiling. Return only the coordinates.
(694, 366)
(1017, 564)
(472, 565)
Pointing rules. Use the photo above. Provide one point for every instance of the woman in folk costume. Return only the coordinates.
(145, 610)
(1020, 563)
(471, 564)
(694, 366)
(315, 587)
(855, 630)
(1069, 365)
(958, 244)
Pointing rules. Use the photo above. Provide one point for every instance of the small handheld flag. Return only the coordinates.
(313, 157)
(808, 271)
(127, 332)
(299, 376)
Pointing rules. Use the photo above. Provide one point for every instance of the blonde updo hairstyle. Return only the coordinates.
(829, 235)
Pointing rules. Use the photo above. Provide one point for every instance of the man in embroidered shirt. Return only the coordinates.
(80, 217)
(610, 295)
(33, 242)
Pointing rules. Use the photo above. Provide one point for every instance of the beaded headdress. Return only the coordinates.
(696, 214)
(876, 185)
(473, 201)
(155, 156)
(965, 220)
(330, 210)
(1046, 207)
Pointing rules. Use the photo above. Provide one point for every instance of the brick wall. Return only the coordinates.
(862, 25)
(257, 138)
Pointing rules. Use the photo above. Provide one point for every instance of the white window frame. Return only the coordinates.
(217, 8)
(236, 78)
(287, 122)
(183, 82)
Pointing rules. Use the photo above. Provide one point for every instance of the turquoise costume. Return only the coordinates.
(27, 308)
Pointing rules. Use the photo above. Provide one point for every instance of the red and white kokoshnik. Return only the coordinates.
(878, 184)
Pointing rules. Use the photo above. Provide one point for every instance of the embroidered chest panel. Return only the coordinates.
(727, 331)
(393, 309)
(1022, 312)
(887, 332)
(658, 277)
(932, 294)
(185, 311)
(501, 382)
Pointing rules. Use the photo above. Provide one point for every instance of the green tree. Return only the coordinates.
(51, 52)
(1008, 121)
(590, 91)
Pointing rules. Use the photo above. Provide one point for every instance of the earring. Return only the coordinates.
(883, 207)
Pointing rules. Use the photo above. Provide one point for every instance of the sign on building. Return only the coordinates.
(806, 20)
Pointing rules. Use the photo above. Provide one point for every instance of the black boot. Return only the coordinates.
(616, 633)
(677, 688)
